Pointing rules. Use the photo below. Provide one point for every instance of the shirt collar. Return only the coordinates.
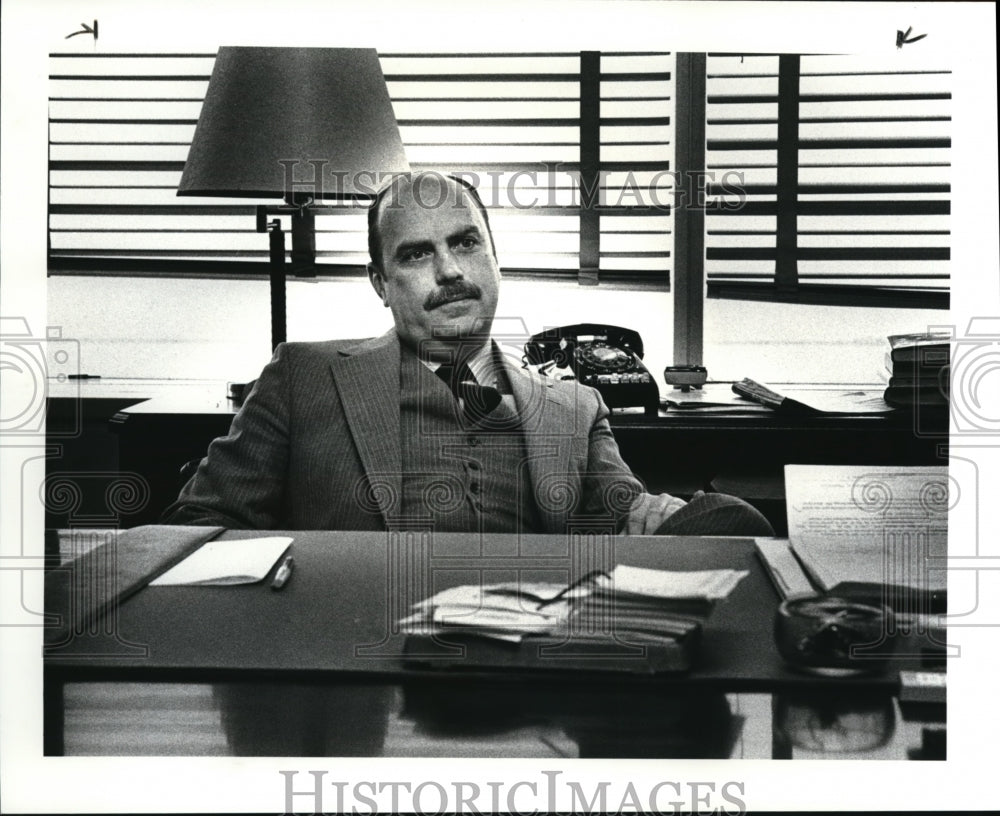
(483, 364)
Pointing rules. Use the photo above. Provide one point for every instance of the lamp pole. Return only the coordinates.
(303, 255)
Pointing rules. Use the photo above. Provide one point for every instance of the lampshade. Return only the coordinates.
(325, 108)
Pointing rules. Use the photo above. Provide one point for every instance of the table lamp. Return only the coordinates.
(296, 124)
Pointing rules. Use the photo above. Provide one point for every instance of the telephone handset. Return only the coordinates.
(609, 358)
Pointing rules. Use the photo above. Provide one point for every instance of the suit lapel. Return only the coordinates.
(367, 378)
(548, 421)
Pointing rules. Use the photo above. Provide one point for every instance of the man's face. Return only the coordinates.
(439, 275)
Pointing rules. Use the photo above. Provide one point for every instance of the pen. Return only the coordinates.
(283, 574)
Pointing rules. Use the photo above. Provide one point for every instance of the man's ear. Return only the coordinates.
(377, 282)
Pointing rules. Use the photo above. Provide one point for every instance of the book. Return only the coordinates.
(919, 338)
(926, 346)
(928, 365)
(936, 382)
(935, 335)
(918, 365)
(905, 396)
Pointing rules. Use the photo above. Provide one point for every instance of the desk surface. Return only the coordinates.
(315, 669)
(337, 615)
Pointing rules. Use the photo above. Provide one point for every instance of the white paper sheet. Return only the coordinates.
(224, 563)
(653, 583)
(870, 524)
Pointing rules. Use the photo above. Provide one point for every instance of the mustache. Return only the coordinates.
(459, 290)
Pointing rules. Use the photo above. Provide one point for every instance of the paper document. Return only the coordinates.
(878, 525)
(224, 563)
(712, 398)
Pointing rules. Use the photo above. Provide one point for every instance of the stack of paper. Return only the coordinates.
(505, 611)
(646, 603)
(638, 603)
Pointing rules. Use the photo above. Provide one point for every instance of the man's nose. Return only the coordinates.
(447, 267)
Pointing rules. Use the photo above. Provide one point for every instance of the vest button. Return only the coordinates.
(473, 440)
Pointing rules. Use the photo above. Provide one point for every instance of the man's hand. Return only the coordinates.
(648, 512)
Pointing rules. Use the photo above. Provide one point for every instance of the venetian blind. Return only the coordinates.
(530, 130)
(838, 186)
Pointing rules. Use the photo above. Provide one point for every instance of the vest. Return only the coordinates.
(460, 475)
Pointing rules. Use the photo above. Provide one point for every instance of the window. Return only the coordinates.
(830, 180)
(571, 151)
(865, 224)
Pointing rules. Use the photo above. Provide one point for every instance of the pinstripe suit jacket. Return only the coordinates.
(316, 446)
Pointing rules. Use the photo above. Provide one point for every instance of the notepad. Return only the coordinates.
(227, 563)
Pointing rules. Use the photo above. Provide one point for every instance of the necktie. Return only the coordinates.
(477, 400)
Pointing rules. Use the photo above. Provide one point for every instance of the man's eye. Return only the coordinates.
(414, 255)
(468, 242)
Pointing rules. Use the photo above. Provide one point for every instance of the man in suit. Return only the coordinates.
(430, 425)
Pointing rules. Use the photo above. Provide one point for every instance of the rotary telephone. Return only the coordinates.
(609, 358)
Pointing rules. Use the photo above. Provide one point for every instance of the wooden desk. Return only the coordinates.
(317, 668)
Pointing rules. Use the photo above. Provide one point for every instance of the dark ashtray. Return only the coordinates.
(833, 636)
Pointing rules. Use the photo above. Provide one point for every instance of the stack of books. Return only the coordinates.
(918, 367)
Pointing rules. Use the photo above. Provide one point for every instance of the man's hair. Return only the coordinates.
(375, 238)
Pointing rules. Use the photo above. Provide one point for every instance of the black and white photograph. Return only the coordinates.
(557, 406)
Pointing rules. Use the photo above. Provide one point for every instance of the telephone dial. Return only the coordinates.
(609, 358)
